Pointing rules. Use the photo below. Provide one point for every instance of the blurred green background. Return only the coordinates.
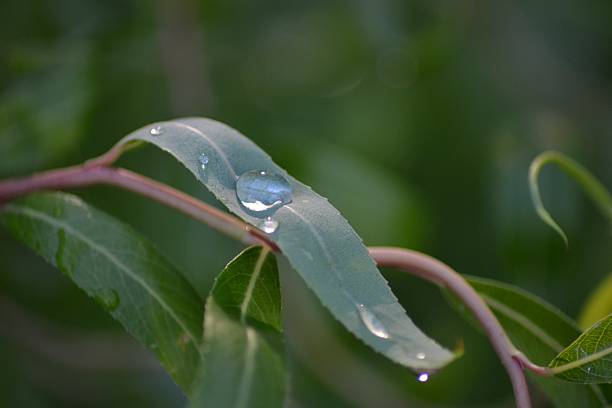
(416, 118)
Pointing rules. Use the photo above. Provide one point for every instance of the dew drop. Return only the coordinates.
(374, 325)
(260, 190)
(157, 130)
(423, 377)
(203, 159)
(420, 356)
(108, 299)
(268, 225)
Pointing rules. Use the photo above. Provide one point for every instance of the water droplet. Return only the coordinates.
(268, 225)
(423, 377)
(157, 130)
(259, 190)
(372, 323)
(203, 159)
(108, 299)
(420, 356)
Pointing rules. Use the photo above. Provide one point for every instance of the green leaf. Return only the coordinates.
(587, 360)
(540, 331)
(316, 239)
(594, 189)
(118, 268)
(243, 362)
(598, 304)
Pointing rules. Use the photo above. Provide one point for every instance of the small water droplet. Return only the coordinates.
(269, 225)
(108, 299)
(157, 130)
(372, 323)
(259, 190)
(203, 159)
(420, 356)
(423, 377)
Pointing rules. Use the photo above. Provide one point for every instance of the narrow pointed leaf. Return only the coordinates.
(315, 238)
(243, 363)
(592, 187)
(539, 330)
(588, 360)
(118, 268)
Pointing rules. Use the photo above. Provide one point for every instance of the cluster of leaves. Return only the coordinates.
(228, 350)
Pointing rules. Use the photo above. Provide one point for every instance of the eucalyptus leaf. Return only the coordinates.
(243, 359)
(120, 269)
(316, 239)
(588, 360)
(540, 331)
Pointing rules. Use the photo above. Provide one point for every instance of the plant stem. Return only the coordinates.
(80, 176)
(421, 265)
(442, 275)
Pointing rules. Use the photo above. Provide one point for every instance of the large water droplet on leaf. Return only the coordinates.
(260, 190)
(372, 323)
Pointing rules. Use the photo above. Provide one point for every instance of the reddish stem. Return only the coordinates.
(421, 265)
(444, 276)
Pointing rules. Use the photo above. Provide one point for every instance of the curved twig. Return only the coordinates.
(442, 275)
(424, 266)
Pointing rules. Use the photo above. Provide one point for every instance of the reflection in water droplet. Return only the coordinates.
(157, 130)
(268, 225)
(420, 356)
(423, 377)
(108, 299)
(260, 190)
(203, 159)
(372, 323)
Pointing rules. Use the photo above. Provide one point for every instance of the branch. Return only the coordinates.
(97, 172)
(442, 275)
(80, 176)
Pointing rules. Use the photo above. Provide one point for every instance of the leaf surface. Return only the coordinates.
(120, 269)
(243, 363)
(540, 331)
(588, 360)
(316, 239)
